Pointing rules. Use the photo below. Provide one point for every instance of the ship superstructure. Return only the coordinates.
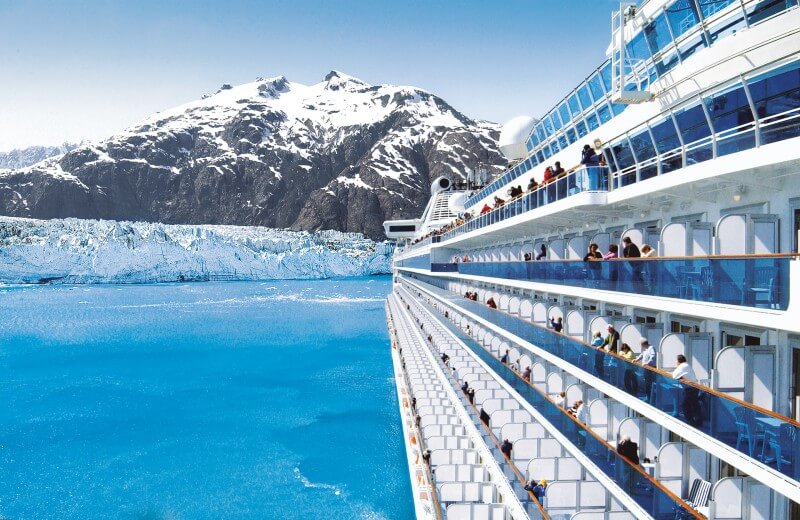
(663, 380)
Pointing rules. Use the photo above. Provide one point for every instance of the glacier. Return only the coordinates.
(105, 251)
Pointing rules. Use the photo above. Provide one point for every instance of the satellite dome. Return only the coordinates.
(513, 136)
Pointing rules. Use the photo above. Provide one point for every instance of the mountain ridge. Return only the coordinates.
(339, 154)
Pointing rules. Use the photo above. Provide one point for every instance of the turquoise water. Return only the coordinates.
(228, 400)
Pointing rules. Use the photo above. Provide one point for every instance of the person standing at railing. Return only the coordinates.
(532, 185)
(691, 400)
(558, 171)
(542, 252)
(648, 252)
(557, 324)
(592, 256)
(629, 451)
(647, 358)
(631, 250)
(506, 448)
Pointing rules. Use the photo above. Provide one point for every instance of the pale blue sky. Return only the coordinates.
(86, 69)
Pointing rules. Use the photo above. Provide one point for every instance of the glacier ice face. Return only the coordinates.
(104, 251)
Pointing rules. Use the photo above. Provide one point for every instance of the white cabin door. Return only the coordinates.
(760, 381)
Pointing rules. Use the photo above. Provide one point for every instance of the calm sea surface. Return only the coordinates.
(216, 400)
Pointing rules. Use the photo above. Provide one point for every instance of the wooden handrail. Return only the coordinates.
(698, 386)
(572, 260)
(589, 431)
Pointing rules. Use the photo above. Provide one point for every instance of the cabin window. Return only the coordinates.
(691, 46)
(591, 120)
(657, 34)
(605, 76)
(693, 126)
(711, 7)
(564, 112)
(574, 107)
(548, 126)
(571, 135)
(583, 94)
(765, 9)
(604, 113)
(682, 16)
(580, 126)
(666, 140)
(596, 87)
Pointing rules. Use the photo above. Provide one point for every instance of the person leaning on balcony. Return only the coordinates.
(691, 401)
(629, 249)
(548, 175)
(527, 257)
(532, 185)
(504, 359)
(557, 324)
(491, 303)
(612, 339)
(526, 374)
(593, 253)
(613, 252)
(597, 340)
(498, 202)
(648, 252)
(589, 157)
(506, 448)
(485, 209)
(626, 352)
(558, 171)
(542, 252)
(647, 358)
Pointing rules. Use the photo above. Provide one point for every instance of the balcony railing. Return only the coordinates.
(758, 433)
(588, 178)
(750, 281)
(646, 491)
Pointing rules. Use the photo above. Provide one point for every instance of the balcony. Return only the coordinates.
(748, 281)
(758, 433)
(585, 179)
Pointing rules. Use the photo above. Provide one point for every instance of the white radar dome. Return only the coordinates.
(513, 136)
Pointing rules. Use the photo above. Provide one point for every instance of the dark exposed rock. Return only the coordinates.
(339, 155)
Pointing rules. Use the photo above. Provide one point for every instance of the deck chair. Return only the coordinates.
(699, 493)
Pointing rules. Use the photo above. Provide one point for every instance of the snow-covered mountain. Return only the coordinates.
(91, 251)
(340, 154)
(22, 157)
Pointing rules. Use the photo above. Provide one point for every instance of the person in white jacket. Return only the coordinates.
(691, 399)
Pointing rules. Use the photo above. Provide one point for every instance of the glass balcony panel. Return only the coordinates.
(618, 108)
(648, 170)
(710, 7)
(653, 498)
(540, 132)
(592, 122)
(665, 135)
(765, 9)
(667, 63)
(556, 119)
(642, 144)
(728, 26)
(546, 152)
(574, 106)
(580, 126)
(563, 110)
(637, 48)
(692, 124)
(572, 136)
(657, 34)
(548, 126)
(583, 95)
(596, 87)
(604, 113)
(672, 160)
(776, 96)
(540, 157)
(605, 76)
(554, 146)
(682, 17)
(719, 416)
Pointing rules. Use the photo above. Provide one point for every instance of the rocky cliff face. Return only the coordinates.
(340, 155)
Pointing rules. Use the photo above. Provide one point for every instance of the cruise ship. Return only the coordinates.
(662, 379)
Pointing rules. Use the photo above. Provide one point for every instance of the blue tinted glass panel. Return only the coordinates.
(540, 132)
(564, 112)
(540, 156)
(605, 75)
(546, 152)
(710, 7)
(562, 141)
(548, 126)
(657, 34)
(604, 113)
(583, 94)
(637, 48)
(622, 151)
(774, 93)
(728, 27)
(556, 120)
(666, 136)
(612, 165)
(693, 126)
(682, 16)
(642, 145)
(571, 135)
(591, 120)
(574, 106)
(765, 9)
(729, 109)
(527, 164)
(666, 64)
(580, 126)
(596, 87)
(554, 146)
(618, 108)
